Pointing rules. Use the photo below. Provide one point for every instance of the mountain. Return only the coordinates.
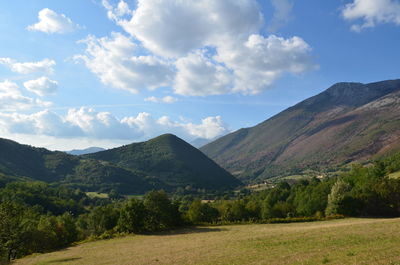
(89, 150)
(166, 162)
(199, 142)
(23, 161)
(347, 122)
(171, 160)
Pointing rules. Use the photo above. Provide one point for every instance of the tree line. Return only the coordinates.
(36, 217)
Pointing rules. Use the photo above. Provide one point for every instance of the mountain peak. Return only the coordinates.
(344, 89)
(172, 160)
(349, 94)
(328, 129)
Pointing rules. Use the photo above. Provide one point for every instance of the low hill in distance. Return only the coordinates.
(347, 122)
(85, 151)
(166, 162)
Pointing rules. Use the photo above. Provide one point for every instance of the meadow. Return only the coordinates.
(345, 241)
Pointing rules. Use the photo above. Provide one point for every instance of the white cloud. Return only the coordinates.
(172, 28)
(166, 99)
(199, 76)
(41, 123)
(11, 98)
(215, 47)
(44, 66)
(282, 14)
(42, 86)
(90, 124)
(113, 60)
(115, 13)
(259, 61)
(52, 22)
(209, 128)
(372, 12)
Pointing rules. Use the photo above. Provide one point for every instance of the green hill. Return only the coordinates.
(347, 122)
(166, 162)
(171, 160)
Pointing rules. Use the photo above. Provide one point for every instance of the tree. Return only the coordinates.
(17, 224)
(162, 213)
(336, 197)
(132, 217)
(102, 218)
(202, 212)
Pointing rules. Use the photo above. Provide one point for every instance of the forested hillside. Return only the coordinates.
(166, 162)
(172, 160)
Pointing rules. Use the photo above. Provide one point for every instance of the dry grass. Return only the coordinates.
(346, 241)
(395, 175)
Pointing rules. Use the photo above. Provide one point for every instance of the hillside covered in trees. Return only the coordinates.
(165, 162)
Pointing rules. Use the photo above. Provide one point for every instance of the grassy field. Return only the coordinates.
(97, 195)
(395, 175)
(345, 241)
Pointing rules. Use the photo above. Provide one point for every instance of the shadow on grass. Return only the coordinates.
(188, 230)
(55, 261)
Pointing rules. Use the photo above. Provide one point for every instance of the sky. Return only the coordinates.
(82, 73)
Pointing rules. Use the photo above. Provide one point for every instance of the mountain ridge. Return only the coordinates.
(85, 151)
(304, 136)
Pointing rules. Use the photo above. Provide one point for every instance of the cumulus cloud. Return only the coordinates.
(282, 14)
(372, 12)
(86, 122)
(41, 123)
(259, 61)
(44, 66)
(11, 98)
(42, 86)
(200, 76)
(166, 99)
(212, 47)
(113, 60)
(174, 28)
(115, 13)
(52, 22)
(209, 128)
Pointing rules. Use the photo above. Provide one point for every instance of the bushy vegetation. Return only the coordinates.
(36, 217)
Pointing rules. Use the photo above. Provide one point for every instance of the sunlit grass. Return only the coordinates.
(97, 195)
(395, 175)
(346, 241)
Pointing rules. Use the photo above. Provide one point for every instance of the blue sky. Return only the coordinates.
(82, 73)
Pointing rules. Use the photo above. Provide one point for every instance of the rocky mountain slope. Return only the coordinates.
(347, 122)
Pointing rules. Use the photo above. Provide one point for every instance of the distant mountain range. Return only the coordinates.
(165, 162)
(89, 150)
(347, 122)
(200, 142)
